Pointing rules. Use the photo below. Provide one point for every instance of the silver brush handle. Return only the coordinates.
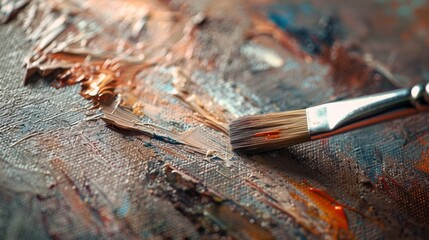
(336, 117)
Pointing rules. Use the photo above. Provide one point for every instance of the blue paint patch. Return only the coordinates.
(123, 210)
(404, 11)
(311, 38)
(369, 161)
(407, 8)
(285, 15)
(370, 148)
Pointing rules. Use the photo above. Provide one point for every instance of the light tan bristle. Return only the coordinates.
(267, 132)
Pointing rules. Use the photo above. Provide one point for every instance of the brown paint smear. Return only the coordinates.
(239, 226)
(221, 211)
(347, 67)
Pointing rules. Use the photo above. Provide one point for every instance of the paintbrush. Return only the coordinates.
(272, 131)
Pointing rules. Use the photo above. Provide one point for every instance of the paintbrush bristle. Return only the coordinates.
(267, 132)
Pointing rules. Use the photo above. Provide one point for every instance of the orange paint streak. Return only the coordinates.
(330, 211)
(303, 222)
(269, 134)
(423, 165)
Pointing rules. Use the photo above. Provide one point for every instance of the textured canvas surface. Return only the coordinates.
(65, 173)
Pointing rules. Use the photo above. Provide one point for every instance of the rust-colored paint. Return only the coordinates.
(423, 165)
(330, 211)
(335, 209)
(291, 212)
(406, 197)
(422, 22)
(348, 68)
(98, 82)
(273, 134)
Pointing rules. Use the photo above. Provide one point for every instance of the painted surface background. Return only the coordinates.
(152, 159)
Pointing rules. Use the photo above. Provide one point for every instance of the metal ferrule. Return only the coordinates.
(336, 117)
